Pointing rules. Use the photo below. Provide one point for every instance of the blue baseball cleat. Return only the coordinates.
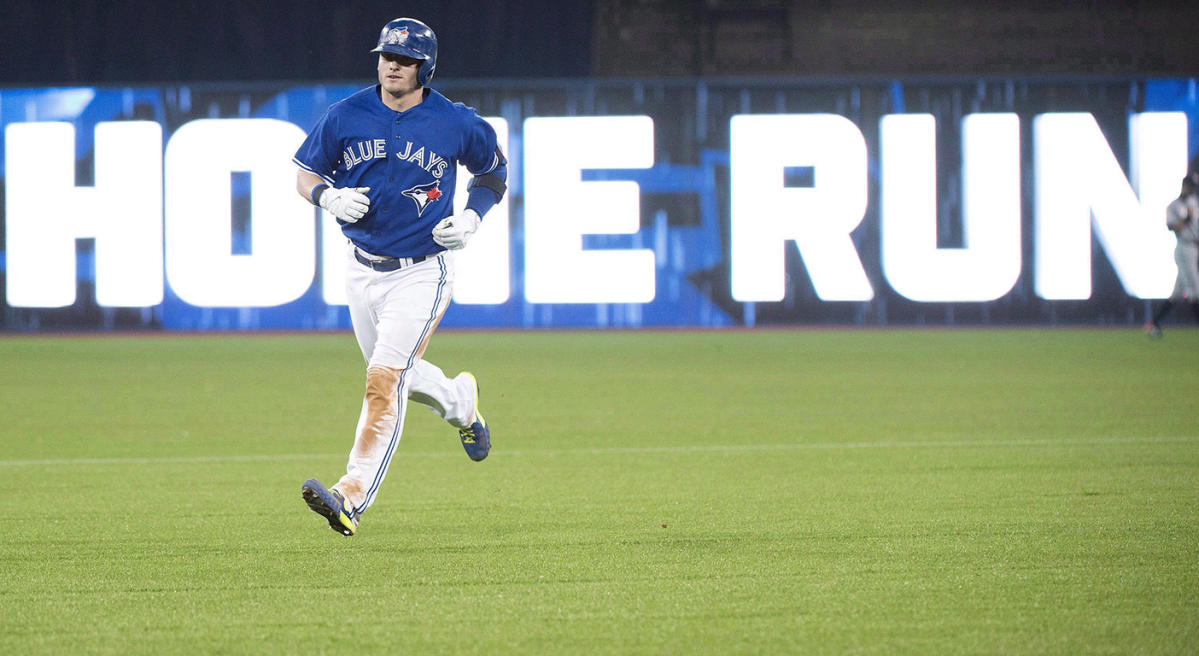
(330, 505)
(476, 438)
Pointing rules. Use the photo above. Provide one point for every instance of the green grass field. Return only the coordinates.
(856, 491)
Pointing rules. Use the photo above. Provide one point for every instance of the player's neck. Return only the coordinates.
(404, 101)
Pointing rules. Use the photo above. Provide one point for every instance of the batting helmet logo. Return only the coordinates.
(397, 36)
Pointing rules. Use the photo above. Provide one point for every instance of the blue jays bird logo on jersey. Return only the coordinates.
(424, 194)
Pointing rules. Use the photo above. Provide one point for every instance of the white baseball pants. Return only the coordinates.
(394, 314)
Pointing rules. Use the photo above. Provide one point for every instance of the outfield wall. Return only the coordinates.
(681, 202)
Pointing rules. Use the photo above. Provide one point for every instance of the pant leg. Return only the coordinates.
(399, 311)
(1162, 311)
(1186, 259)
(362, 315)
(380, 426)
(452, 399)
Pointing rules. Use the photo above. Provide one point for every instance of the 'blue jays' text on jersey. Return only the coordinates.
(408, 159)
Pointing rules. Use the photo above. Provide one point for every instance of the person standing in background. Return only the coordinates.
(1182, 217)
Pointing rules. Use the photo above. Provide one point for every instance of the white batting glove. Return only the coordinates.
(455, 231)
(346, 203)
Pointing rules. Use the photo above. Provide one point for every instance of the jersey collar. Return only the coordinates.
(426, 92)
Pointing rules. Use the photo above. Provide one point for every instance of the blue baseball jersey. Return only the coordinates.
(408, 159)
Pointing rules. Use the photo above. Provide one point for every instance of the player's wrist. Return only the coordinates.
(480, 200)
(314, 196)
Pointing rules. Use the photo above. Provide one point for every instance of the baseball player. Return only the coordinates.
(384, 162)
(1182, 216)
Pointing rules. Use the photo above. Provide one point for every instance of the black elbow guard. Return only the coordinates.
(489, 181)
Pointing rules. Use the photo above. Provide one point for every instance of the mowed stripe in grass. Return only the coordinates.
(858, 491)
(585, 452)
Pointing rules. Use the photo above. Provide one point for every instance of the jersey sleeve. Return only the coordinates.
(481, 153)
(321, 151)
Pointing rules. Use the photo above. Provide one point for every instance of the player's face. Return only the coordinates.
(398, 74)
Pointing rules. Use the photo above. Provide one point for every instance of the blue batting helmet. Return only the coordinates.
(411, 38)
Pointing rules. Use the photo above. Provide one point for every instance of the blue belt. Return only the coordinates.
(390, 264)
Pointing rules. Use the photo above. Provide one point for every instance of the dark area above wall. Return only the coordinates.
(869, 37)
(89, 42)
